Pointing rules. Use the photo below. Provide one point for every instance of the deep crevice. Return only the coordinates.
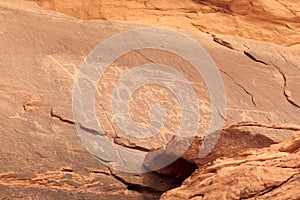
(288, 98)
(242, 87)
(285, 93)
(197, 195)
(223, 43)
(95, 132)
(99, 172)
(135, 187)
(60, 118)
(140, 148)
(253, 58)
(67, 170)
(92, 131)
(260, 125)
(275, 187)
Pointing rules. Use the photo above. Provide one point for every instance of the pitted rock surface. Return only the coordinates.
(41, 52)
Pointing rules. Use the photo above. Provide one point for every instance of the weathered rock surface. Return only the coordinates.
(267, 20)
(41, 153)
(269, 173)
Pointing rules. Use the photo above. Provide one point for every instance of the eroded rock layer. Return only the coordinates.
(42, 155)
(269, 173)
(267, 20)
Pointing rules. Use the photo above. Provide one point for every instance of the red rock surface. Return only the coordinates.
(269, 173)
(267, 20)
(42, 156)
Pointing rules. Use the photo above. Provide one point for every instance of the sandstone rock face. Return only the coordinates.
(268, 20)
(42, 155)
(270, 173)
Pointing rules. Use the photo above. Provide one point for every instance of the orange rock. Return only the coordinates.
(267, 20)
(269, 173)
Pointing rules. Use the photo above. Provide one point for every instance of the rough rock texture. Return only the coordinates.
(268, 20)
(41, 153)
(269, 173)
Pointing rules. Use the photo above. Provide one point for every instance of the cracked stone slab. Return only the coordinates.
(40, 148)
(268, 173)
